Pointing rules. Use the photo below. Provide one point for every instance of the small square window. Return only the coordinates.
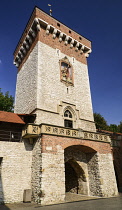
(68, 123)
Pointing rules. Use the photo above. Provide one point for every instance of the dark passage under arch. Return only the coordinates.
(71, 179)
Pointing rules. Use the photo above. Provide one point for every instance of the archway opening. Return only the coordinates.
(74, 177)
(71, 179)
(78, 163)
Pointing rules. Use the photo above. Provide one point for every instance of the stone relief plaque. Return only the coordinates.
(59, 131)
(66, 71)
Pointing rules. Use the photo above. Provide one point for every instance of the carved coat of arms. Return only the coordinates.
(66, 71)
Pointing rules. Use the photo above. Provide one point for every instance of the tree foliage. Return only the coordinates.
(6, 102)
(100, 122)
(113, 128)
(120, 127)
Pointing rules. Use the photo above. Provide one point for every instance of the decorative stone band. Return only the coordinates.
(33, 31)
(33, 131)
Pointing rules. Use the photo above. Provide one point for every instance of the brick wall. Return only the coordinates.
(49, 40)
(88, 146)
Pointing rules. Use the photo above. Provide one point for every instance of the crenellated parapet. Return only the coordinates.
(50, 28)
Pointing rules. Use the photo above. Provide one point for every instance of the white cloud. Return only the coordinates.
(0, 61)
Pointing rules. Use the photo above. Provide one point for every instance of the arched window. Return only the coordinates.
(68, 120)
(68, 114)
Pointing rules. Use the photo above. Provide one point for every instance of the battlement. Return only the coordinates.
(42, 27)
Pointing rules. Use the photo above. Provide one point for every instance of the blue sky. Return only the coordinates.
(98, 20)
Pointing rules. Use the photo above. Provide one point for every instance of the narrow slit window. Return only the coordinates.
(68, 121)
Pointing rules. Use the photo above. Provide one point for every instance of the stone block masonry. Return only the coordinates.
(35, 91)
(48, 175)
(107, 175)
(53, 178)
(36, 171)
(26, 87)
(15, 170)
(94, 161)
(41, 168)
(51, 89)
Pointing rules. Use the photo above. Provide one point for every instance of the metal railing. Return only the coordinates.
(10, 136)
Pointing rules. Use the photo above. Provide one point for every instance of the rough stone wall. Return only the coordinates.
(107, 175)
(26, 86)
(98, 166)
(51, 91)
(39, 86)
(86, 125)
(94, 175)
(53, 177)
(16, 170)
(102, 180)
(36, 171)
(46, 117)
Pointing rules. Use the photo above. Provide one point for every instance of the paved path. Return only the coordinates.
(114, 203)
(70, 197)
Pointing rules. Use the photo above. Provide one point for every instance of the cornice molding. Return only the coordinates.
(35, 27)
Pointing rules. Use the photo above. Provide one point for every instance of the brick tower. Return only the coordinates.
(53, 84)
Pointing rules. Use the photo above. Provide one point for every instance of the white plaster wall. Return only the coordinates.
(16, 170)
(26, 86)
(107, 175)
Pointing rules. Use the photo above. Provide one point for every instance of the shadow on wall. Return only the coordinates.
(2, 205)
(28, 144)
(118, 174)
